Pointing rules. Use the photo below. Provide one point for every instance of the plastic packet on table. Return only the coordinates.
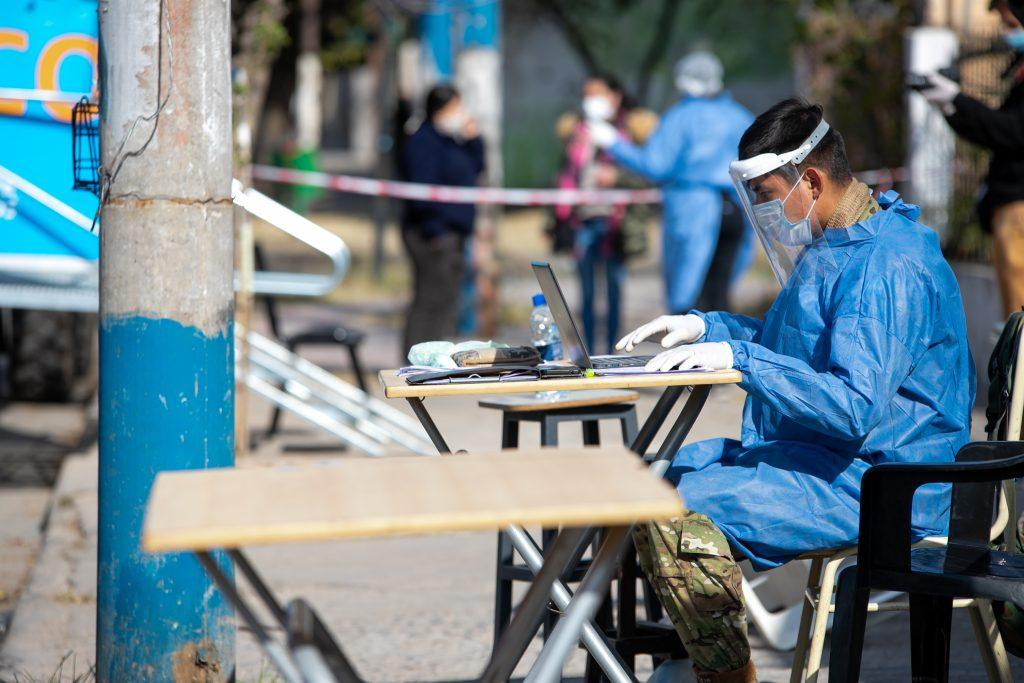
(438, 354)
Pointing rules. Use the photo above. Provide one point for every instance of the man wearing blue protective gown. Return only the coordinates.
(862, 359)
(688, 156)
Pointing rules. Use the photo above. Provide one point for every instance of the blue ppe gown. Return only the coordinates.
(862, 362)
(688, 155)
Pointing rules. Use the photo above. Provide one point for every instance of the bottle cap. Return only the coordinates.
(539, 300)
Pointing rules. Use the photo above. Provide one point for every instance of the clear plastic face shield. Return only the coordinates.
(780, 208)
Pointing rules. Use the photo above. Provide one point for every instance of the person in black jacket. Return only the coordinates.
(446, 150)
(1001, 207)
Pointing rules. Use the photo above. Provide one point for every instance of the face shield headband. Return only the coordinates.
(783, 239)
(745, 170)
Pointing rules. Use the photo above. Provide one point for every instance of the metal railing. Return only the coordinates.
(306, 231)
(335, 406)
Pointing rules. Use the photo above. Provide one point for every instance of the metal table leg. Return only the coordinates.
(277, 653)
(587, 600)
(593, 639)
(680, 429)
(428, 424)
(304, 661)
(657, 417)
(254, 579)
(568, 546)
(582, 609)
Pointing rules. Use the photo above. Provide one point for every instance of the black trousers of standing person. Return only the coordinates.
(437, 267)
(714, 295)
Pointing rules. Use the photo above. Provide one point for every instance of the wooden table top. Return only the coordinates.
(396, 387)
(369, 497)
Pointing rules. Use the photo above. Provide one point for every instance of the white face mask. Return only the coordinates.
(771, 217)
(452, 124)
(598, 108)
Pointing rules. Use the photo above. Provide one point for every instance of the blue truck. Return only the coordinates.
(49, 245)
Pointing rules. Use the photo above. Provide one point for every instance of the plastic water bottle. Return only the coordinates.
(544, 332)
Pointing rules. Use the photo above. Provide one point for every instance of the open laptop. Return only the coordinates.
(572, 343)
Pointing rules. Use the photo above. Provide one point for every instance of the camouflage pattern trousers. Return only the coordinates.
(690, 565)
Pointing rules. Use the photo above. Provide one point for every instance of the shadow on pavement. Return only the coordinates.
(28, 459)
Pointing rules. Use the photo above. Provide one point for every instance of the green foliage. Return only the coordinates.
(259, 29)
(271, 37)
(639, 41)
(753, 39)
(530, 151)
(350, 31)
(853, 56)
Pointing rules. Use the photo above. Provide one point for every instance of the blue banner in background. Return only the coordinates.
(45, 45)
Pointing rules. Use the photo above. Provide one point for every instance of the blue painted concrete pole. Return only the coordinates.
(481, 25)
(436, 36)
(450, 26)
(461, 41)
(166, 333)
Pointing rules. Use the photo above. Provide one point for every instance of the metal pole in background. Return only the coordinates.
(478, 74)
(385, 136)
(309, 79)
(166, 318)
(463, 42)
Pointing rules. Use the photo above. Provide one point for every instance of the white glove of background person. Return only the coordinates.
(676, 328)
(942, 93)
(708, 355)
(602, 133)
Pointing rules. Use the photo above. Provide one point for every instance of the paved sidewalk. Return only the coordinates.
(56, 614)
(22, 510)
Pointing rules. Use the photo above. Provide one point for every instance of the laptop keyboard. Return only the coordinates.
(619, 362)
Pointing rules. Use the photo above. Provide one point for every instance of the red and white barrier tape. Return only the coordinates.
(491, 195)
(883, 176)
(460, 195)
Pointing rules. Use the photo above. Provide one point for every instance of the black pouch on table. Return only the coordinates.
(512, 355)
(482, 373)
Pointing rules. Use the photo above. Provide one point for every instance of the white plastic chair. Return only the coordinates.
(780, 626)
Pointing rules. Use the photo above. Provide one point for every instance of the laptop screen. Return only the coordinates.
(572, 344)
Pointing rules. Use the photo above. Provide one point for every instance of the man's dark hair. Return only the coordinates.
(787, 124)
(439, 96)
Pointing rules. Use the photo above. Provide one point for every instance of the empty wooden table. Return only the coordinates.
(201, 511)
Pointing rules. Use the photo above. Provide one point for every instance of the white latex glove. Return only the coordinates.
(676, 328)
(942, 93)
(602, 133)
(708, 355)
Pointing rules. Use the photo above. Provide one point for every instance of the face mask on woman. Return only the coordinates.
(452, 124)
(596, 107)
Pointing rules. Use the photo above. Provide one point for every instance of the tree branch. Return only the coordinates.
(571, 32)
(656, 48)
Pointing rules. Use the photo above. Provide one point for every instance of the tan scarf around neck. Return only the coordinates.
(856, 205)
